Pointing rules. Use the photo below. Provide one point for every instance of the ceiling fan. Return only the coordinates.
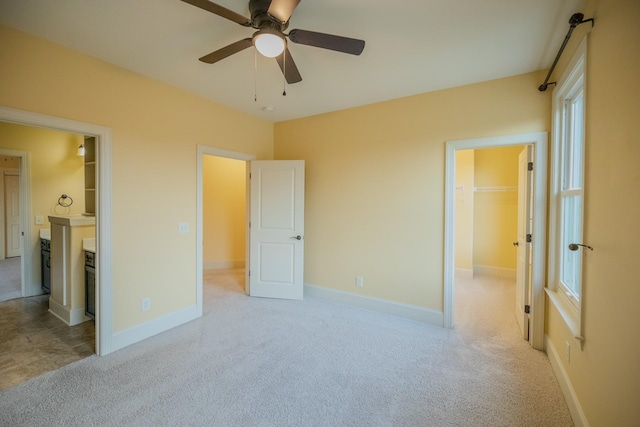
(271, 19)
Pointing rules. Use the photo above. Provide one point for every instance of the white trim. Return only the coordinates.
(28, 286)
(575, 72)
(421, 314)
(58, 310)
(153, 327)
(575, 408)
(567, 311)
(464, 273)
(70, 317)
(104, 312)
(202, 151)
(539, 141)
(488, 270)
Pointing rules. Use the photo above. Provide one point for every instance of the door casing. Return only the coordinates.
(523, 294)
(539, 142)
(104, 314)
(218, 152)
(8, 240)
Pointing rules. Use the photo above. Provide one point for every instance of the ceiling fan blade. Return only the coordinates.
(227, 51)
(282, 9)
(327, 41)
(220, 11)
(288, 67)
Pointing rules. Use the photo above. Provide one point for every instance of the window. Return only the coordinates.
(568, 188)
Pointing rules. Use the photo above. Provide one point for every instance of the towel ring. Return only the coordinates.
(62, 201)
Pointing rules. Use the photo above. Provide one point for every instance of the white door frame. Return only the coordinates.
(218, 152)
(5, 221)
(539, 141)
(28, 288)
(104, 312)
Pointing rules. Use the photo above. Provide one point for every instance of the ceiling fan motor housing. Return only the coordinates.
(261, 19)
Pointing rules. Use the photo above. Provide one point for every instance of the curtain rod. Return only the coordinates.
(575, 20)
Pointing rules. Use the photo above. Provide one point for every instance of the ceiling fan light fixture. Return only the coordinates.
(268, 43)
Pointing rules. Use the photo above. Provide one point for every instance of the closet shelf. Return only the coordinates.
(495, 189)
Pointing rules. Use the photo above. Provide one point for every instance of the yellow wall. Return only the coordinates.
(55, 170)
(606, 374)
(375, 182)
(224, 216)
(464, 211)
(495, 217)
(155, 132)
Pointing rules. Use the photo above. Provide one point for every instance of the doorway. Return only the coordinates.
(10, 239)
(103, 320)
(224, 221)
(486, 225)
(538, 142)
(225, 252)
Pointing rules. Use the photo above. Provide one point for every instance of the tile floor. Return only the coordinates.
(34, 341)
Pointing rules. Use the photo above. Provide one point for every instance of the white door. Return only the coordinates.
(524, 247)
(12, 215)
(276, 254)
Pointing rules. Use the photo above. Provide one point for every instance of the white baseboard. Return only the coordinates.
(220, 265)
(77, 316)
(421, 314)
(578, 415)
(487, 270)
(70, 317)
(59, 310)
(464, 273)
(153, 327)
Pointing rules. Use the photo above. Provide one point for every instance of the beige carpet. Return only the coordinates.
(263, 362)
(10, 286)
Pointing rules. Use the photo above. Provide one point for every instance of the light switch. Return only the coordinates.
(39, 219)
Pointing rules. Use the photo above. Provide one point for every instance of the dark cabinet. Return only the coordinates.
(89, 284)
(45, 265)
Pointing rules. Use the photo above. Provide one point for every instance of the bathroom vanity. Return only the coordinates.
(45, 260)
(67, 299)
(89, 247)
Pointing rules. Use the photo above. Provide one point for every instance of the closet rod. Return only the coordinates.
(575, 20)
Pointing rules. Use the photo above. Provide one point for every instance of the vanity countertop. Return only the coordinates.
(73, 220)
(45, 233)
(89, 245)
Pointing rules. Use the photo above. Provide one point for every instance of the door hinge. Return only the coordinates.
(528, 238)
(530, 166)
(249, 224)
(249, 175)
(249, 273)
(527, 308)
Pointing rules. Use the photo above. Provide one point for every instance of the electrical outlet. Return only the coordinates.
(146, 304)
(39, 219)
(359, 281)
(183, 228)
(567, 351)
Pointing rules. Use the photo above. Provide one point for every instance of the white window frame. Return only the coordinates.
(572, 83)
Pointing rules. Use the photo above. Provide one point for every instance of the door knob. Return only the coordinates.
(516, 244)
(298, 237)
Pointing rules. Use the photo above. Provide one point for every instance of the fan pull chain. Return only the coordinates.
(284, 72)
(255, 75)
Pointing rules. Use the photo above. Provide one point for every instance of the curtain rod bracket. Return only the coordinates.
(575, 20)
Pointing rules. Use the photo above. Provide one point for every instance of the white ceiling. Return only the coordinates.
(412, 46)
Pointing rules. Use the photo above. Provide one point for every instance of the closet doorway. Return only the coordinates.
(538, 143)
